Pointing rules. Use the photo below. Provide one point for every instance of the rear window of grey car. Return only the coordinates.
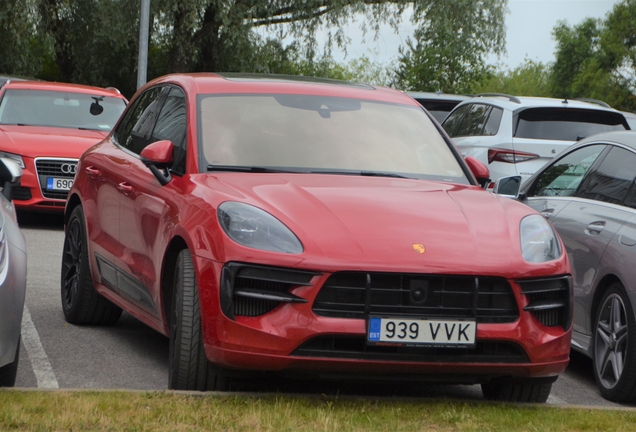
(566, 124)
(473, 120)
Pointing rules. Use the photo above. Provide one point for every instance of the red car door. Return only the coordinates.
(149, 209)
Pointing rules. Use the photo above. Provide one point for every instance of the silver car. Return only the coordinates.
(12, 275)
(588, 192)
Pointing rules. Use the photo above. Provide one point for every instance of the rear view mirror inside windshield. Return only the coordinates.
(318, 103)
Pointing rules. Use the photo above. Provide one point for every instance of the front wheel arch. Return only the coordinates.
(176, 245)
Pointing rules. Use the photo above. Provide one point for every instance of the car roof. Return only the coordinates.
(58, 86)
(626, 138)
(437, 96)
(226, 83)
(514, 103)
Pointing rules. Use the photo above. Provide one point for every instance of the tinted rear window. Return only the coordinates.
(438, 109)
(566, 124)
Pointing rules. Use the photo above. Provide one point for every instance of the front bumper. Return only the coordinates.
(292, 339)
(32, 193)
(12, 295)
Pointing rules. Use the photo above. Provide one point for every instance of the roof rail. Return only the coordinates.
(594, 101)
(113, 88)
(510, 98)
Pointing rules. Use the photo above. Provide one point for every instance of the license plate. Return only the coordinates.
(53, 183)
(422, 331)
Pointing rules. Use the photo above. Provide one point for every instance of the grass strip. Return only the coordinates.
(168, 411)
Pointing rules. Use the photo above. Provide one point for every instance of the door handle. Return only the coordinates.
(546, 213)
(125, 188)
(595, 228)
(93, 172)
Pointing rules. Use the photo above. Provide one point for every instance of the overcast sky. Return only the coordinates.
(529, 31)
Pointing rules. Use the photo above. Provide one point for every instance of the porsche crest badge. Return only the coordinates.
(419, 248)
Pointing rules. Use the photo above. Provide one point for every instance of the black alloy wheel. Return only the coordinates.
(81, 304)
(189, 367)
(614, 343)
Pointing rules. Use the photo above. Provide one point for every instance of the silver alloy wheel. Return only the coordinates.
(610, 344)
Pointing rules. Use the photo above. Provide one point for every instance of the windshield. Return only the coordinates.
(60, 109)
(296, 133)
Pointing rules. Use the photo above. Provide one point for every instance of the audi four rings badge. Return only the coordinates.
(69, 168)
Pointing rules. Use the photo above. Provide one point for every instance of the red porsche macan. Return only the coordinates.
(312, 228)
(45, 127)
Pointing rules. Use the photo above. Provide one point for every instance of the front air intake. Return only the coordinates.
(252, 290)
(549, 300)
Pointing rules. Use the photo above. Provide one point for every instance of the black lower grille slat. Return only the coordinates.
(352, 347)
(488, 300)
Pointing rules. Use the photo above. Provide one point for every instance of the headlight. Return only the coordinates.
(539, 242)
(17, 158)
(252, 227)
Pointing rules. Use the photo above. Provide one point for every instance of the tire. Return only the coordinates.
(615, 346)
(189, 367)
(529, 390)
(9, 372)
(80, 302)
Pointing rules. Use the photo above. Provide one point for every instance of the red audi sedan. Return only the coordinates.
(315, 229)
(45, 127)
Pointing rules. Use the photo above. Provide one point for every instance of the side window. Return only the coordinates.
(492, 124)
(613, 179)
(473, 120)
(565, 175)
(171, 125)
(135, 128)
(454, 119)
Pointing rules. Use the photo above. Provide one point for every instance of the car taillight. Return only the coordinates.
(509, 156)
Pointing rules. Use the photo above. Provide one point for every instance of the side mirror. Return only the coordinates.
(479, 170)
(10, 175)
(158, 156)
(508, 186)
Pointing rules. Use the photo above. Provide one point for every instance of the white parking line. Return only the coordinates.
(555, 400)
(39, 361)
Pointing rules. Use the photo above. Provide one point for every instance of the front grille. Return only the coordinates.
(252, 290)
(355, 347)
(58, 168)
(549, 300)
(358, 295)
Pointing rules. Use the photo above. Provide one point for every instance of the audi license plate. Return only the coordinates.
(53, 183)
(422, 331)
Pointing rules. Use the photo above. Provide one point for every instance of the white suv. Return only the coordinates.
(518, 135)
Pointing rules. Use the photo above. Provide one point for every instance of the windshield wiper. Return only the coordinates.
(250, 169)
(362, 173)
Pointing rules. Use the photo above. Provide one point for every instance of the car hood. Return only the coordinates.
(383, 222)
(32, 141)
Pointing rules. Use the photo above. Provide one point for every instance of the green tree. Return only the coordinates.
(24, 51)
(576, 47)
(95, 42)
(449, 48)
(597, 58)
(531, 78)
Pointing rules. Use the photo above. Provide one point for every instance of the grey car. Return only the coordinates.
(12, 275)
(588, 193)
